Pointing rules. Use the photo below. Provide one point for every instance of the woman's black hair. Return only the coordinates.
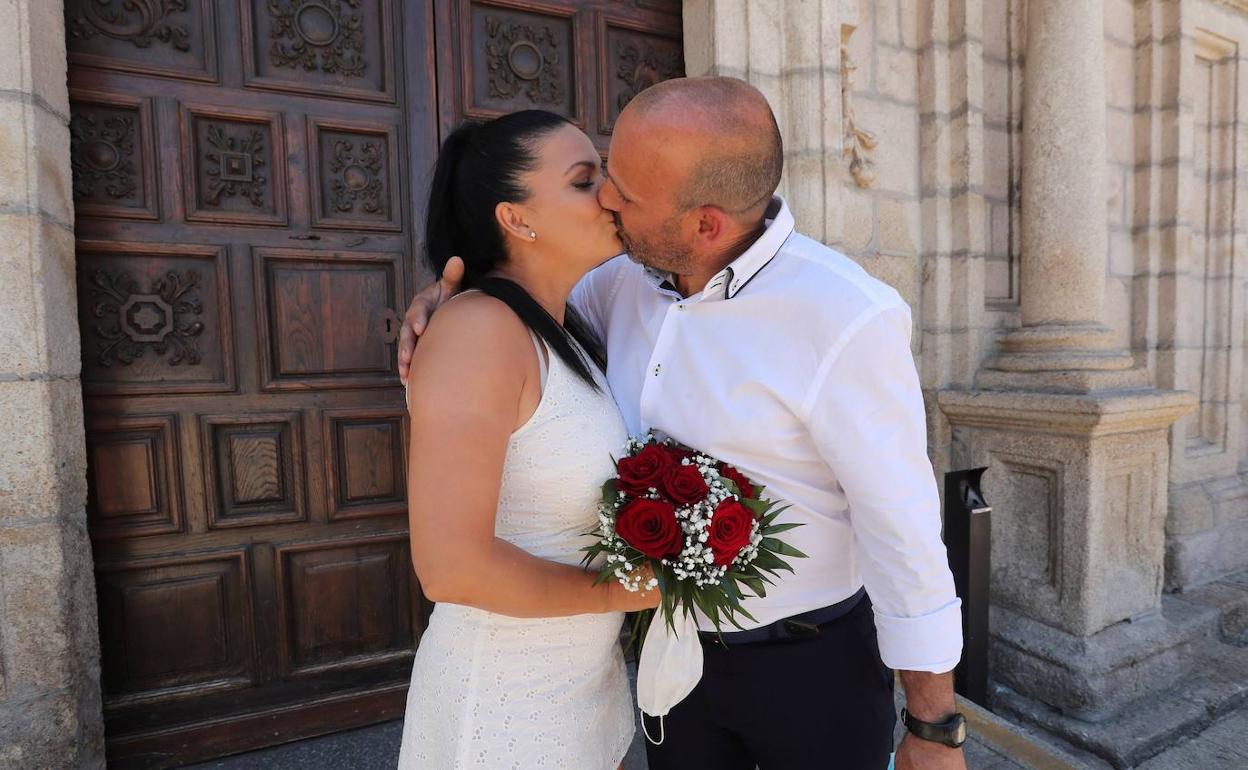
(479, 167)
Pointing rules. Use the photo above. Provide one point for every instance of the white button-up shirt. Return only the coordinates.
(794, 365)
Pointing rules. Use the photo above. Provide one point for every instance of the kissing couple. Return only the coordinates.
(543, 349)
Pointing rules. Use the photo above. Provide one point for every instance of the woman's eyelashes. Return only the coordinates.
(588, 182)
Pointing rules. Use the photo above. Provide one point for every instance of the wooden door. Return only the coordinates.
(581, 58)
(247, 176)
(249, 181)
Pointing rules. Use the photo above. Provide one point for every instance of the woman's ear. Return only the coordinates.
(512, 219)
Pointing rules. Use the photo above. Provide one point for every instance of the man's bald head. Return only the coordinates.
(736, 155)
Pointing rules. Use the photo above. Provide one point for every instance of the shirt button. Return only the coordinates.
(657, 367)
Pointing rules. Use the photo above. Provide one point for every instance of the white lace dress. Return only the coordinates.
(491, 691)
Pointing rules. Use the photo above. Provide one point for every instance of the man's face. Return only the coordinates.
(639, 192)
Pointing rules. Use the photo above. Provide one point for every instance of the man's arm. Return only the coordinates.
(865, 412)
(930, 698)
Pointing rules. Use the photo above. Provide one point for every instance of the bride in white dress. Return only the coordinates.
(512, 432)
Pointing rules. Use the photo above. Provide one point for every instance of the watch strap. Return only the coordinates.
(951, 732)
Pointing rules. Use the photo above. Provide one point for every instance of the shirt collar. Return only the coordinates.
(727, 283)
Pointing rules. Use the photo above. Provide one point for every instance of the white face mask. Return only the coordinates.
(670, 667)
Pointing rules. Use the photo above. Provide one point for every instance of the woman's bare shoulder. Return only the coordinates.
(475, 335)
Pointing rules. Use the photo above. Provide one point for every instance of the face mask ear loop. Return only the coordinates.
(662, 731)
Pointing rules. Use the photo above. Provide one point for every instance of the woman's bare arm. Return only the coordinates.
(464, 389)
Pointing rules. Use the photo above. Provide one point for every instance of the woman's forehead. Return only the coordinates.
(568, 144)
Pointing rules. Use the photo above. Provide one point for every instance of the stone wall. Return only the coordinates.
(1173, 85)
(902, 121)
(1175, 253)
(881, 103)
(49, 652)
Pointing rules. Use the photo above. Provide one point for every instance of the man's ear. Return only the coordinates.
(710, 225)
(513, 221)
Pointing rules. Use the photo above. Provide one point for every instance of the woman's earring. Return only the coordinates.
(532, 235)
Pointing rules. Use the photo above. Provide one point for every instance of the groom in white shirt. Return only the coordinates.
(730, 332)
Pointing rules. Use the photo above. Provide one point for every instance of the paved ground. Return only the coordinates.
(994, 745)
(377, 748)
(369, 748)
(1224, 746)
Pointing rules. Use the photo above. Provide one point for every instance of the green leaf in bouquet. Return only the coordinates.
(754, 572)
(756, 507)
(588, 558)
(687, 593)
(730, 485)
(755, 585)
(592, 552)
(775, 529)
(708, 607)
(766, 560)
(640, 625)
(660, 575)
(773, 513)
(609, 492)
(781, 547)
(734, 609)
(666, 589)
(668, 605)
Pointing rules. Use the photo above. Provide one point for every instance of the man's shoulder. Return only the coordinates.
(612, 268)
(834, 281)
(605, 279)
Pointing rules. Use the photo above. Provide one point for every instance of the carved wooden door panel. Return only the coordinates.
(581, 58)
(247, 177)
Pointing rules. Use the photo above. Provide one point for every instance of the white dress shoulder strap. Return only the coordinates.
(543, 363)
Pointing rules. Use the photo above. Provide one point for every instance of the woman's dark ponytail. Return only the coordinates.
(480, 166)
(443, 227)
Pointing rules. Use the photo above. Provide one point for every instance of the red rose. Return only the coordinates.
(650, 527)
(731, 527)
(679, 453)
(685, 485)
(643, 470)
(743, 484)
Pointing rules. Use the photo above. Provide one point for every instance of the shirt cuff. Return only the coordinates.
(931, 642)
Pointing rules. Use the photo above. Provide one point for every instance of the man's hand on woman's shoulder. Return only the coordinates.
(423, 306)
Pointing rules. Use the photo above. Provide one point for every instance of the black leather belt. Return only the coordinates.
(801, 626)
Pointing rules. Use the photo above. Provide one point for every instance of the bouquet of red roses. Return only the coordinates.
(703, 527)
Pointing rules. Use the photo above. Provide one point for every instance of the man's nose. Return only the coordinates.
(607, 197)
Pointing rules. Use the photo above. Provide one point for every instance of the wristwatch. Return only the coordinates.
(951, 732)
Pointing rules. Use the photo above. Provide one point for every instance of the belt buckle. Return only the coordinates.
(800, 628)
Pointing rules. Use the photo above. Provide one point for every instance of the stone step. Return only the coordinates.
(1218, 683)
(1229, 597)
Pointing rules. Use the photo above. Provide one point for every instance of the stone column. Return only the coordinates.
(791, 51)
(50, 714)
(1075, 437)
(1064, 343)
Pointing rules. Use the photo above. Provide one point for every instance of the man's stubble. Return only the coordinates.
(664, 253)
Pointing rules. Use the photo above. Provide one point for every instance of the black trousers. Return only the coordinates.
(820, 703)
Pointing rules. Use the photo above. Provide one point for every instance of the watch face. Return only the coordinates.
(959, 733)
